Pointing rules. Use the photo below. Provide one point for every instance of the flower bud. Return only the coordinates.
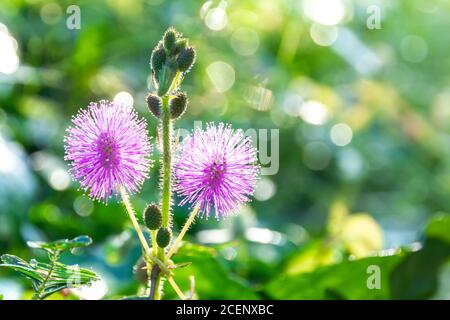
(158, 59)
(163, 237)
(154, 104)
(178, 105)
(186, 59)
(180, 45)
(169, 39)
(152, 217)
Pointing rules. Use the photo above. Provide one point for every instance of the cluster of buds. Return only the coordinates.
(152, 219)
(171, 59)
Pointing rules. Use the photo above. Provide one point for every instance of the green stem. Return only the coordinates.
(37, 294)
(154, 244)
(167, 162)
(175, 82)
(186, 226)
(166, 183)
(132, 215)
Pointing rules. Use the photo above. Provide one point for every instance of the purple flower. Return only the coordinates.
(108, 148)
(216, 167)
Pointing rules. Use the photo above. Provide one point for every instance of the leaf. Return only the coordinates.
(61, 245)
(439, 227)
(404, 274)
(417, 276)
(347, 280)
(62, 276)
(310, 257)
(23, 267)
(212, 280)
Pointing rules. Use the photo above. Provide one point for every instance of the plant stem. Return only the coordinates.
(154, 244)
(155, 280)
(167, 162)
(176, 288)
(132, 215)
(174, 83)
(37, 294)
(186, 226)
(166, 183)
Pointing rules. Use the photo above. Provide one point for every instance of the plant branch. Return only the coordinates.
(53, 259)
(176, 288)
(132, 215)
(186, 226)
(167, 162)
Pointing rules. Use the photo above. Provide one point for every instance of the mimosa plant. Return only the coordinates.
(213, 169)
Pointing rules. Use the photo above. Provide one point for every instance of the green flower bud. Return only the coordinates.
(180, 45)
(158, 59)
(169, 39)
(152, 217)
(154, 104)
(178, 105)
(186, 59)
(163, 237)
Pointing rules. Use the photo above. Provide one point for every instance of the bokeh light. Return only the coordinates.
(51, 13)
(265, 189)
(9, 60)
(413, 48)
(323, 35)
(326, 12)
(222, 75)
(317, 155)
(124, 98)
(314, 112)
(341, 134)
(245, 41)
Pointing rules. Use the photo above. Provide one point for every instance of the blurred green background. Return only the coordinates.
(363, 120)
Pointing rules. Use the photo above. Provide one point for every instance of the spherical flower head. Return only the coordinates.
(108, 148)
(216, 167)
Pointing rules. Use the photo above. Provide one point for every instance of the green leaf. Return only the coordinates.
(417, 276)
(1, 296)
(439, 227)
(62, 276)
(61, 245)
(23, 267)
(347, 280)
(404, 274)
(212, 280)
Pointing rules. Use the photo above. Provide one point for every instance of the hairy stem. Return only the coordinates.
(132, 215)
(186, 226)
(154, 244)
(167, 162)
(166, 178)
(37, 294)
